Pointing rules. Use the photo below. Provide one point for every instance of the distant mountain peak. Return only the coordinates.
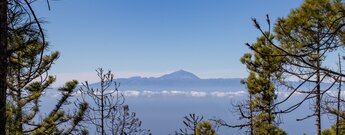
(180, 74)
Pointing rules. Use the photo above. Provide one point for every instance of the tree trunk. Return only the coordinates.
(318, 92)
(251, 115)
(318, 107)
(3, 65)
(338, 100)
(102, 108)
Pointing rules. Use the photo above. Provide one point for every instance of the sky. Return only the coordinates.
(154, 37)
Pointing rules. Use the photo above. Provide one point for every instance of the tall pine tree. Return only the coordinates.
(3, 64)
(306, 37)
(264, 69)
(28, 80)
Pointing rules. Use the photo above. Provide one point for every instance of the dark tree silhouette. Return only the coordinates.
(6, 7)
(259, 110)
(3, 64)
(190, 122)
(28, 80)
(334, 104)
(305, 38)
(108, 111)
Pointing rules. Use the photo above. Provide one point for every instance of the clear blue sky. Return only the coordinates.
(153, 37)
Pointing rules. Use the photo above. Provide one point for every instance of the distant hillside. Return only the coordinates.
(179, 80)
(186, 81)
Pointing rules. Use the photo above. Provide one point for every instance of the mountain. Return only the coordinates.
(186, 81)
(179, 80)
(179, 75)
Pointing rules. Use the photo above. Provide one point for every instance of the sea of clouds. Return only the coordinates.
(196, 94)
(174, 93)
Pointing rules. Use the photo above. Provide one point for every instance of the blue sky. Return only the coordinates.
(153, 37)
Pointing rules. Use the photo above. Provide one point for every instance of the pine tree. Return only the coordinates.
(195, 125)
(3, 64)
(259, 112)
(306, 36)
(28, 80)
(190, 122)
(264, 69)
(205, 128)
(7, 8)
(333, 129)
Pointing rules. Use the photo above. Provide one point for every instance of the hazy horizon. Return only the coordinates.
(154, 37)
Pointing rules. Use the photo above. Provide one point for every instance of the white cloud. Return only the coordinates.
(198, 94)
(131, 93)
(166, 93)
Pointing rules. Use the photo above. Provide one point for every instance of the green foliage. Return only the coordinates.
(307, 35)
(28, 80)
(267, 129)
(264, 67)
(308, 29)
(205, 128)
(332, 130)
(190, 122)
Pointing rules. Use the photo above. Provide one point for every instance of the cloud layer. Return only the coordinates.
(196, 94)
(134, 93)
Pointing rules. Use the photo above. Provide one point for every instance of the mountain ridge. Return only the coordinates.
(178, 80)
(182, 80)
(169, 75)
